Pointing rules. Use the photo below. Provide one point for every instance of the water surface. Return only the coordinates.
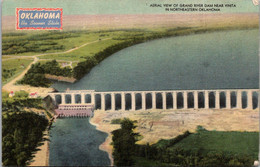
(75, 142)
(219, 60)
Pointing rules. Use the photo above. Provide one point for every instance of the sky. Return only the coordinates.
(74, 7)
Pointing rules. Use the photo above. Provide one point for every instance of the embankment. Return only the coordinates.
(60, 78)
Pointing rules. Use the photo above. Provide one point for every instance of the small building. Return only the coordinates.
(33, 95)
(11, 94)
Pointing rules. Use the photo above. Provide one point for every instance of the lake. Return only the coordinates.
(216, 60)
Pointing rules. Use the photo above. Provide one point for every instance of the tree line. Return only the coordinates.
(7, 73)
(21, 135)
(34, 43)
(35, 75)
(21, 131)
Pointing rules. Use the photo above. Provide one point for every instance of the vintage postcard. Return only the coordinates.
(130, 83)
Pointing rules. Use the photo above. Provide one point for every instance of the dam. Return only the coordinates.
(84, 102)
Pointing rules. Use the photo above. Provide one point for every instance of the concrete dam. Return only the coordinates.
(84, 102)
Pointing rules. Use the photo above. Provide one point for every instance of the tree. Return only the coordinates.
(21, 94)
(84, 67)
(8, 150)
(21, 132)
(124, 140)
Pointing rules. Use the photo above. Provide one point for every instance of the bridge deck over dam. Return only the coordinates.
(165, 99)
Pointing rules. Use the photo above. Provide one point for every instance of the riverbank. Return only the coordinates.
(41, 157)
(106, 146)
(60, 78)
(154, 125)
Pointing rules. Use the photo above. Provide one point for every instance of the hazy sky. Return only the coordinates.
(116, 6)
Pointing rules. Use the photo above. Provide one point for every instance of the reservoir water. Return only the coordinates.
(218, 60)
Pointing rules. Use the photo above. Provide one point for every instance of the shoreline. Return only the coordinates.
(41, 157)
(60, 78)
(105, 146)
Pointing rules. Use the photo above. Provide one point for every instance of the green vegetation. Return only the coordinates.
(18, 102)
(124, 143)
(13, 67)
(203, 148)
(116, 121)
(21, 94)
(82, 53)
(36, 43)
(84, 67)
(21, 131)
(5, 94)
(35, 75)
(46, 42)
(21, 134)
(8, 73)
(233, 142)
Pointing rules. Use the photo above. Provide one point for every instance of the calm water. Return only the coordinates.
(205, 61)
(75, 142)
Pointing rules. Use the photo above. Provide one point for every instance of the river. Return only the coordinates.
(218, 60)
(75, 142)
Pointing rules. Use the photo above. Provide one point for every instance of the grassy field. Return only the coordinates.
(89, 43)
(12, 68)
(46, 42)
(234, 142)
(80, 54)
(28, 44)
(6, 57)
(210, 145)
